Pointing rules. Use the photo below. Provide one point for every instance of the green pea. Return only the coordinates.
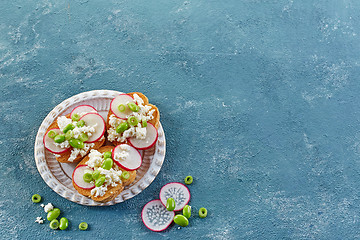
(132, 121)
(181, 220)
(187, 211)
(75, 117)
(52, 134)
(122, 127)
(125, 175)
(36, 198)
(59, 138)
(80, 123)
(100, 181)
(107, 164)
(188, 180)
(143, 123)
(121, 107)
(53, 214)
(83, 226)
(83, 137)
(202, 212)
(68, 127)
(133, 107)
(170, 204)
(96, 174)
(54, 224)
(87, 177)
(76, 143)
(64, 223)
(107, 155)
(69, 134)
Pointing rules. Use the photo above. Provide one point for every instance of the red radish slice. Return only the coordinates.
(50, 144)
(121, 99)
(78, 177)
(132, 158)
(155, 216)
(149, 141)
(178, 191)
(96, 121)
(82, 109)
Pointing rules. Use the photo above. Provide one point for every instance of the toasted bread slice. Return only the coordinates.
(156, 114)
(112, 192)
(65, 156)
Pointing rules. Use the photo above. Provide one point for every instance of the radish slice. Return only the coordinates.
(127, 157)
(78, 177)
(96, 121)
(149, 141)
(178, 191)
(121, 99)
(155, 216)
(50, 144)
(82, 109)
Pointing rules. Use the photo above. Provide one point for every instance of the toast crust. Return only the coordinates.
(65, 156)
(112, 192)
(156, 114)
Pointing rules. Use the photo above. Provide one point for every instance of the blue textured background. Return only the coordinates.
(259, 101)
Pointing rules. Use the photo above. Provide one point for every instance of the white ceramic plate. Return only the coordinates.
(58, 175)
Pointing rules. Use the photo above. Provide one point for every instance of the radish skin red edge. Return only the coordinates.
(136, 143)
(100, 121)
(180, 203)
(129, 159)
(88, 107)
(166, 222)
(47, 139)
(81, 179)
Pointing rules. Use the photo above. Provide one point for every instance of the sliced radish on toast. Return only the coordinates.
(50, 144)
(78, 177)
(123, 99)
(82, 109)
(127, 157)
(155, 216)
(96, 121)
(149, 141)
(178, 191)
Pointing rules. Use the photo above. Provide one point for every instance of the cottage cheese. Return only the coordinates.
(112, 176)
(48, 207)
(39, 220)
(123, 154)
(82, 151)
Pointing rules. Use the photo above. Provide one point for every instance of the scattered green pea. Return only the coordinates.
(83, 226)
(187, 211)
(133, 121)
(107, 155)
(68, 127)
(125, 175)
(59, 138)
(53, 214)
(188, 180)
(75, 117)
(80, 123)
(83, 137)
(69, 134)
(202, 212)
(64, 223)
(76, 143)
(52, 134)
(170, 204)
(143, 123)
(181, 220)
(87, 177)
(100, 181)
(96, 174)
(122, 127)
(107, 164)
(54, 224)
(133, 107)
(36, 198)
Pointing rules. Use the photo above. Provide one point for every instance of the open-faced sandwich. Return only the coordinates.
(103, 173)
(71, 137)
(133, 120)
